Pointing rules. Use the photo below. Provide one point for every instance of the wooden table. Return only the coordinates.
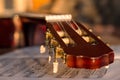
(25, 63)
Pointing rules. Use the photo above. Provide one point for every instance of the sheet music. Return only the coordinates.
(29, 64)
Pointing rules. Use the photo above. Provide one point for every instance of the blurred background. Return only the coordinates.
(103, 16)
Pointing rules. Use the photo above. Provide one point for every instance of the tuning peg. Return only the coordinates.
(42, 49)
(55, 66)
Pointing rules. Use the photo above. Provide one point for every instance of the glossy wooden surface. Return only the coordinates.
(89, 63)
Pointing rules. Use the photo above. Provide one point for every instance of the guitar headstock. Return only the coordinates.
(82, 48)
